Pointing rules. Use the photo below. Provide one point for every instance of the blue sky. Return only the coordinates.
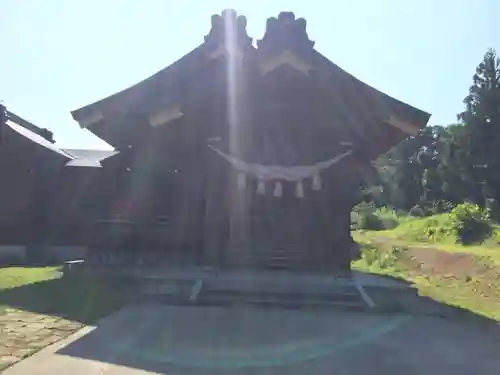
(59, 55)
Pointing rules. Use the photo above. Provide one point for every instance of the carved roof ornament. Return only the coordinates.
(285, 33)
(285, 43)
(227, 29)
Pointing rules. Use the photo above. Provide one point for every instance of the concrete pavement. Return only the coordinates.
(244, 340)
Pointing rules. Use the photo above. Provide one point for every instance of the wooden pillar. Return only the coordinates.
(239, 244)
(343, 241)
(214, 222)
(327, 220)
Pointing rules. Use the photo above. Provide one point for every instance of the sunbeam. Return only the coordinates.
(233, 117)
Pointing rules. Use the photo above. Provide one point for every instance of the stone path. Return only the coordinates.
(24, 332)
(189, 340)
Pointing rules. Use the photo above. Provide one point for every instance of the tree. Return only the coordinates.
(409, 172)
(481, 119)
(454, 163)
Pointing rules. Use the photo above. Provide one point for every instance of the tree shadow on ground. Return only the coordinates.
(80, 298)
(390, 279)
(148, 349)
(88, 298)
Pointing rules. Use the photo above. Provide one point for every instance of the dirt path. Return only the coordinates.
(459, 278)
(437, 262)
(434, 261)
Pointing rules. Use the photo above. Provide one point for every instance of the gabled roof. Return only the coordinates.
(38, 136)
(165, 80)
(43, 132)
(285, 36)
(366, 94)
(43, 138)
(171, 80)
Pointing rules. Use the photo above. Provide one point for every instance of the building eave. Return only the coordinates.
(388, 106)
(115, 104)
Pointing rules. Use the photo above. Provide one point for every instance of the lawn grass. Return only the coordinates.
(12, 277)
(44, 290)
(479, 295)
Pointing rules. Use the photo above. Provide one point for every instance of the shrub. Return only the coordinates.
(470, 223)
(366, 216)
(381, 257)
(436, 228)
(363, 216)
(389, 258)
(494, 239)
(492, 208)
(439, 207)
(389, 222)
(363, 207)
(416, 211)
(369, 254)
(369, 221)
(390, 217)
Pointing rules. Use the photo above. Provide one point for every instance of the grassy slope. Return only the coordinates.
(384, 253)
(415, 232)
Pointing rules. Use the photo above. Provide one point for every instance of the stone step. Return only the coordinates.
(291, 300)
(267, 289)
(277, 290)
(260, 286)
(276, 258)
(177, 289)
(272, 261)
(271, 255)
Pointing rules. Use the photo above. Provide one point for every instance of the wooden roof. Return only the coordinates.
(42, 132)
(40, 139)
(87, 158)
(285, 43)
(30, 140)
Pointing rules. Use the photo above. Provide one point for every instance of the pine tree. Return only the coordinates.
(481, 138)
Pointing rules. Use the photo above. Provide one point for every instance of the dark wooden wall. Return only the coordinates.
(22, 163)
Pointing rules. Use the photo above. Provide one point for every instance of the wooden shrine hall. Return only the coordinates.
(239, 154)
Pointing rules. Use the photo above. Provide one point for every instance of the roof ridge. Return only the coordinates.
(42, 132)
